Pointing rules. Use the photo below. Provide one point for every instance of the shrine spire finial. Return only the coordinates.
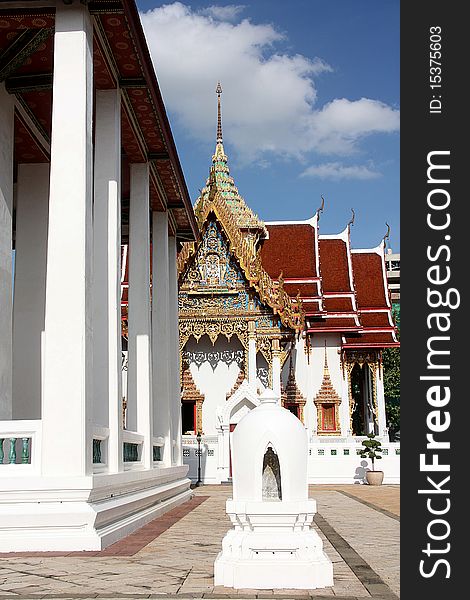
(218, 91)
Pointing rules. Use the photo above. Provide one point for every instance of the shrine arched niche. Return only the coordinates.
(271, 478)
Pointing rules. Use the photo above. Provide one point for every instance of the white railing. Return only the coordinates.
(20, 446)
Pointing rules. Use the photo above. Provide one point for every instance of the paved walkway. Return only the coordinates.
(173, 556)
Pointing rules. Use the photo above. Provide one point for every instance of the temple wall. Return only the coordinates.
(214, 369)
(309, 372)
(328, 461)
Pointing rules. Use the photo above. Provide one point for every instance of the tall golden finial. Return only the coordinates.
(218, 91)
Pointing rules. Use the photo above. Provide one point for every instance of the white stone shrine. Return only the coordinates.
(272, 544)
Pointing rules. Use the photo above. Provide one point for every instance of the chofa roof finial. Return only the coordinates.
(387, 235)
(320, 210)
(351, 221)
(218, 91)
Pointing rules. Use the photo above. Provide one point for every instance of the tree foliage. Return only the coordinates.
(372, 449)
(391, 371)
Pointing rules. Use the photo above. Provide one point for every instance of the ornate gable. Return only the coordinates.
(214, 268)
(223, 285)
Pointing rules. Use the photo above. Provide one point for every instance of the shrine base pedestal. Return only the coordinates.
(272, 546)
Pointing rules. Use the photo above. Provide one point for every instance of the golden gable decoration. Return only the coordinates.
(271, 292)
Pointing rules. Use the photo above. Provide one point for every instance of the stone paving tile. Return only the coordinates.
(373, 535)
(178, 561)
(385, 497)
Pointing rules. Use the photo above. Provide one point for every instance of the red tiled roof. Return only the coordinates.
(343, 304)
(368, 279)
(290, 249)
(336, 322)
(375, 319)
(367, 339)
(334, 265)
(307, 290)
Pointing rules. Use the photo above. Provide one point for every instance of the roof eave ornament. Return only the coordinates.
(386, 236)
(351, 221)
(320, 209)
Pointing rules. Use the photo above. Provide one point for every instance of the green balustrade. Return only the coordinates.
(96, 451)
(24, 451)
(12, 454)
(130, 452)
(158, 453)
(11, 450)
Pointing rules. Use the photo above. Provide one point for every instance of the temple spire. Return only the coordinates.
(218, 91)
(220, 181)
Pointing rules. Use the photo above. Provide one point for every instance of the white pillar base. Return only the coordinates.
(258, 556)
(80, 514)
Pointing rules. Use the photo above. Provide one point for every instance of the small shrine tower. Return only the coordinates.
(271, 544)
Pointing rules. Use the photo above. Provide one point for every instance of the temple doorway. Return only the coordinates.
(364, 419)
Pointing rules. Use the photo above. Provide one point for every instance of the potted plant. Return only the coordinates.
(372, 449)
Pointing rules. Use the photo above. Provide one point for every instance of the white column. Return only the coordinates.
(344, 408)
(175, 386)
(32, 207)
(382, 418)
(368, 399)
(252, 374)
(276, 354)
(6, 213)
(226, 452)
(160, 333)
(139, 407)
(67, 399)
(107, 375)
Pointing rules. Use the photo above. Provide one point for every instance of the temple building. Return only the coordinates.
(87, 164)
(279, 305)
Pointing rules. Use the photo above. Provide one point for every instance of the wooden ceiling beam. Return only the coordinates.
(20, 50)
(19, 84)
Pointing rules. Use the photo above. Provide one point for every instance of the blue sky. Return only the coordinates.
(310, 104)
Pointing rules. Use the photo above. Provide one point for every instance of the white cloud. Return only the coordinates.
(336, 171)
(224, 13)
(269, 98)
(339, 125)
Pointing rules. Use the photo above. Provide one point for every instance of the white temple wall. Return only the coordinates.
(32, 207)
(328, 461)
(216, 382)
